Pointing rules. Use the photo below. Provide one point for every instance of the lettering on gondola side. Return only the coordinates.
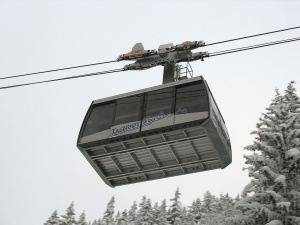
(125, 129)
(147, 121)
(151, 119)
(181, 111)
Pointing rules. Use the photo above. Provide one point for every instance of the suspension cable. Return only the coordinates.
(64, 78)
(93, 64)
(122, 69)
(253, 47)
(48, 71)
(255, 35)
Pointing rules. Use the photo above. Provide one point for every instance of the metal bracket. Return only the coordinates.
(167, 55)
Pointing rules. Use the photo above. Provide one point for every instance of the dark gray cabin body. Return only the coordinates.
(171, 129)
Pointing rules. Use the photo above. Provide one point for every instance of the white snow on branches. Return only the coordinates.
(275, 222)
(292, 153)
(247, 189)
(281, 179)
(283, 205)
(270, 214)
(267, 170)
(277, 197)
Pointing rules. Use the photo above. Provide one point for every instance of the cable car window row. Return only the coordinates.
(147, 111)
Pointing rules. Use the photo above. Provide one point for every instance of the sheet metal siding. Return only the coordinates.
(224, 154)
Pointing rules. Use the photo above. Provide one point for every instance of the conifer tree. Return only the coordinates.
(53, 219)
(208, 203)
(226, 205)
(237, 198)
(108, 218)
(273, 195)
(156, 214)
(210, 214)
(132, 213)
(124, 217)
(163, 213)
(95, 222)
(69, 217)
(175, 209)
(184, 216)
(197, 210)
(191, 211)
(118, 218)
(82, 219)
(145, 213)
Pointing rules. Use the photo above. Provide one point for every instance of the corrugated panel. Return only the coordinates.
(157, 156)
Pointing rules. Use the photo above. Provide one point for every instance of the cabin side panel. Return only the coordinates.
(218, 134)
(158, 109)
(191, 103)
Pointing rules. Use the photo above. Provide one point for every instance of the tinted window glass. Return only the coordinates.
(159, 102)
(191, 98)
(100, 119)
(128, 110)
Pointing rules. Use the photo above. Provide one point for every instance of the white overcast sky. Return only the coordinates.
(40, 167)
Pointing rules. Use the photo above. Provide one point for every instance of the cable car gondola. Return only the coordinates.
(172, 129)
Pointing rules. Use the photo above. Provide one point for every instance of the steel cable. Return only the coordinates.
(48, 71)
(65, 78)
(251, 36)
(253, 47)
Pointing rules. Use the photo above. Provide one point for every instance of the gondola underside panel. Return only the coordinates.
(153, 157)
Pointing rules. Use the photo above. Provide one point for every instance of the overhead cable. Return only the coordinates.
(122, 69)
(255, 35)
(94, 64)
(48, 71)
(64, 78)
(253, 47)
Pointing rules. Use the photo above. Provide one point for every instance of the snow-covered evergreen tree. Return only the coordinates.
(145, 213)
(195, 211)
(132, 213)
(124, 217)
(226, 205)
(108, 218)
(82, 219)
(273, 195)
(237, 198)
(69, 217)
(175, 216)
(208, 208)
(95, 222)
(118, 218)
(163, 216)
(184, 216)
(53, 219)
(156, 214)
(209, 204)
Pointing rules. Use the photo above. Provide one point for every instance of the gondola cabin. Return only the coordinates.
(168, 130)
